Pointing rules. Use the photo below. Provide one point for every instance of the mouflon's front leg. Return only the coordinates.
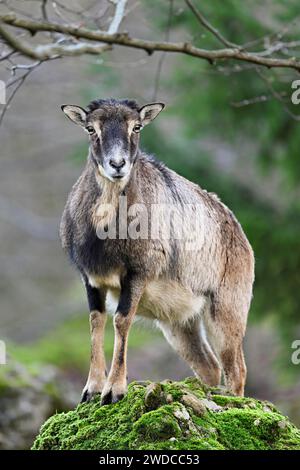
(115, 387)
(97, 374)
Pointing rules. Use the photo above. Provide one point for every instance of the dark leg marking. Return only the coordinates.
(96, 299)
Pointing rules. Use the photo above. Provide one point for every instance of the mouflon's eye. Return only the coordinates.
(90, 130)
(137, 128)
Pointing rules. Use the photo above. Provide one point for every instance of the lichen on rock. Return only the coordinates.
(171, 415)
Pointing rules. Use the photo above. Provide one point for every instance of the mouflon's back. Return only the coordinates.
(205, 244)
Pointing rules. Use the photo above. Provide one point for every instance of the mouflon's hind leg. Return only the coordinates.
(225, 326)
(226, 320)
(97, 374)
(234, 369)
(188, 342)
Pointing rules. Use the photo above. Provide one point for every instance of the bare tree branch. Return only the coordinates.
(45, 52)
(6, 56)
(281, 96)
(44, 10)
(19, 81)
(117, 19)
(17, 45)
(53, 50)
(202, 20)
(249, 101)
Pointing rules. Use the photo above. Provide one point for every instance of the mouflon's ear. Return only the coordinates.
(75, 113)
(150, 111)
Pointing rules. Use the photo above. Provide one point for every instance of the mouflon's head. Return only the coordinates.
(114, 128)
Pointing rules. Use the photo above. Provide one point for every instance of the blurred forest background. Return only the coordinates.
(229, 127)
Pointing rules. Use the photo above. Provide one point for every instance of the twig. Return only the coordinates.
(272, 37)
(56, 48)
(71, 10)
(6, 56)
(202, 20)
(278, 96)
(118, 17)
(44, 10)
(250, 101)
(20, 81)
(17, 45)
(23, 67)
(163, 55)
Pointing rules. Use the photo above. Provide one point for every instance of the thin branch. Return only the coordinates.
(21, 80)
(51, 51)
(118, 17)
(237, 68)
(273, 94)
(286, 28)
(250, 101)
(44, 10)
(6, 56)
(60, 50)
(15, 67)
(57, 50)
(15, 80)
(55, 6)
(163, 56)
(280, 47)
(278, 96)
(202, 20)
(123, 39)
(16, 45)
(277, 36)
(72, 10)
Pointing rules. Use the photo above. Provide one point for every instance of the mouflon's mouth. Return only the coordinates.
(118, 177)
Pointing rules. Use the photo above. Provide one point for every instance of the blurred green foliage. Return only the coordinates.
(204, 98)
(206, 94)
(68, 345)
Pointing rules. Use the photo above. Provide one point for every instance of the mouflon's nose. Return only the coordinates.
(117, 165)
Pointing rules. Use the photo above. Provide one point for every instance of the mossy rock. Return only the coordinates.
(179, 415)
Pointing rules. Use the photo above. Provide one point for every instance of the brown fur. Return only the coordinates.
(200, 298)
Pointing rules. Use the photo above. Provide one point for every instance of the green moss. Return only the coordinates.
(236, 402)
(156, 425)
(171, 422)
